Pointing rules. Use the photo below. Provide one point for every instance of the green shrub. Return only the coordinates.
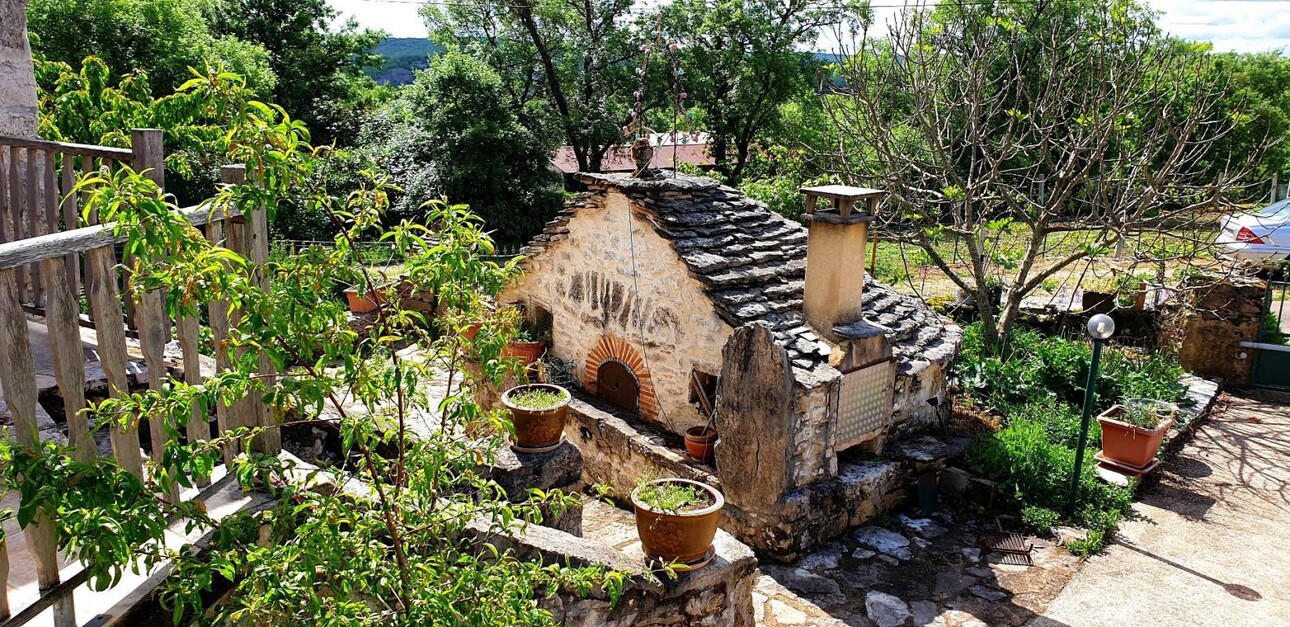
(1032, 471)
(1039, 519)
(1061, 421)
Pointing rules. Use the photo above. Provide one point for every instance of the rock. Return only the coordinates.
(804, 581)
(925, 613)
(950, 584)
(1067, 535)
(987, 593)
(885, 610)
(971, 554)
(925, 527)
(826, 558)
(954, 481)
(884, 541)
(889, 560)
(980, 572)
(862, 554)
(958, 618)
(786, 614)
(921, 543)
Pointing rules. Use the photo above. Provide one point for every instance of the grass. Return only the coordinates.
(537, 399)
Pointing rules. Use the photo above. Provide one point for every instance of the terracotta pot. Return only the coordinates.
(471, 329)
(361, 304)
(682, 537)
(1126, 444)
(528, 352)
(700, 443)
(537, 428)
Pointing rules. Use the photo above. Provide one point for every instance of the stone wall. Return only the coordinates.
(589, 282)
(920, 402)
(1213, 323)
(17, 78)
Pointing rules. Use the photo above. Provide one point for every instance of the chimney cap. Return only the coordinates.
(843, 198)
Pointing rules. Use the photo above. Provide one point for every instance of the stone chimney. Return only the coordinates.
(835, 254)
(17, 77)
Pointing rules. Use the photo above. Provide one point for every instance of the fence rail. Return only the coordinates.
(43, 257)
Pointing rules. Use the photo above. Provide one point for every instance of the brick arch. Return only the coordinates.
(611, 348)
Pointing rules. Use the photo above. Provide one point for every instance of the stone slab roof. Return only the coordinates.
(752, 263)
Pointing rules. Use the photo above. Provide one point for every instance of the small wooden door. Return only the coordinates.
(616, 384)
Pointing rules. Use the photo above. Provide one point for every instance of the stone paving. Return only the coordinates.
(911, 571)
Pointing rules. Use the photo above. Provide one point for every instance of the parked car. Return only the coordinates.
(1262, 235)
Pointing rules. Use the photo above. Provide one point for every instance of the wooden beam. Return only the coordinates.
(109, 322)
(121, 154)
(62, 318)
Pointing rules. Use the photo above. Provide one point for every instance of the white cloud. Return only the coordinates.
(399, 19)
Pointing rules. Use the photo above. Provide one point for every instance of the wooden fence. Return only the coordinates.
(43, 258)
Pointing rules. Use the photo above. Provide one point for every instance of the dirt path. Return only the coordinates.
(1208, 542)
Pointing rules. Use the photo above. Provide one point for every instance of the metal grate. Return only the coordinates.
(864, 404)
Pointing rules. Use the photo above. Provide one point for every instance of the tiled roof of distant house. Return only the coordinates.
(619, 158)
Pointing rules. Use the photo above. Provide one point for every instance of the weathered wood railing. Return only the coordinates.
(36, 178)
(55, 254)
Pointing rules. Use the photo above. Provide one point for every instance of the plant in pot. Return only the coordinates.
(538, 412)
(676, 520)
(701, 443)
(529, 344)
(366, 302)
(1132, 432)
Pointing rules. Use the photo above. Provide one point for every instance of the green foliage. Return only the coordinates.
(322, 63)
(671, 497)
(1034, 472)
(1031, 367)
(453, 133)
(1145, 414)
(415, 545)
(160, 37)
(537, 398)
(1039, 519)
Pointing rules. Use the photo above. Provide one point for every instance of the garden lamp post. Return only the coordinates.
(1100, 328)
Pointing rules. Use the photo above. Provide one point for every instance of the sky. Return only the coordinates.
(1240, 25)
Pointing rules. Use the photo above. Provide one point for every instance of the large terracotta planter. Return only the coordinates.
(700, 443)
(537, 429)
(681, 537)
(362, 304)
(1126, 444)
(527, 352)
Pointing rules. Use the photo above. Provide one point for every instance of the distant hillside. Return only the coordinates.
(402, 56)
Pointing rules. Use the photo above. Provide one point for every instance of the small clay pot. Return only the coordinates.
(1126, 444)
(471, 329)
(700, 443)
(681, 537)
(361, 304)
(537, 429)
(527, 352)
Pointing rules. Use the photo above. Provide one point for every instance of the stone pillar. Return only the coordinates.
(755, 419)
(18, 116)
(1216, 319)
(834, 269)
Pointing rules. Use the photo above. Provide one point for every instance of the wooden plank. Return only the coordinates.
(153, 327)
(71, 220)
(198, 429)
(82, 240)
(109, 323)
(4, 578)
(242, 413)
(18, 379)
(34, 214)
(62, 319)
(219, 334)
(270, 440)
(79, 149)
(16, 198)
(6, 208)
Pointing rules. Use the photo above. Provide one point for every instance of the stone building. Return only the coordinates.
(674, 298)
(17, 79)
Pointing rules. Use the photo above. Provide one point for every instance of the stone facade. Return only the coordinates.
(669, 276)
(1212, 324)
(638, 308)
(17, 77)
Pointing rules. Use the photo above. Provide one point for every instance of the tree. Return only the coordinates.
(322, 69)
(569, 62)
(1033, 136)
(452, 133)
(410, 530)
(161, 37)
(742, 60)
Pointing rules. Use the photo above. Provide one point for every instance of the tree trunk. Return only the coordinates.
(18, 115)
